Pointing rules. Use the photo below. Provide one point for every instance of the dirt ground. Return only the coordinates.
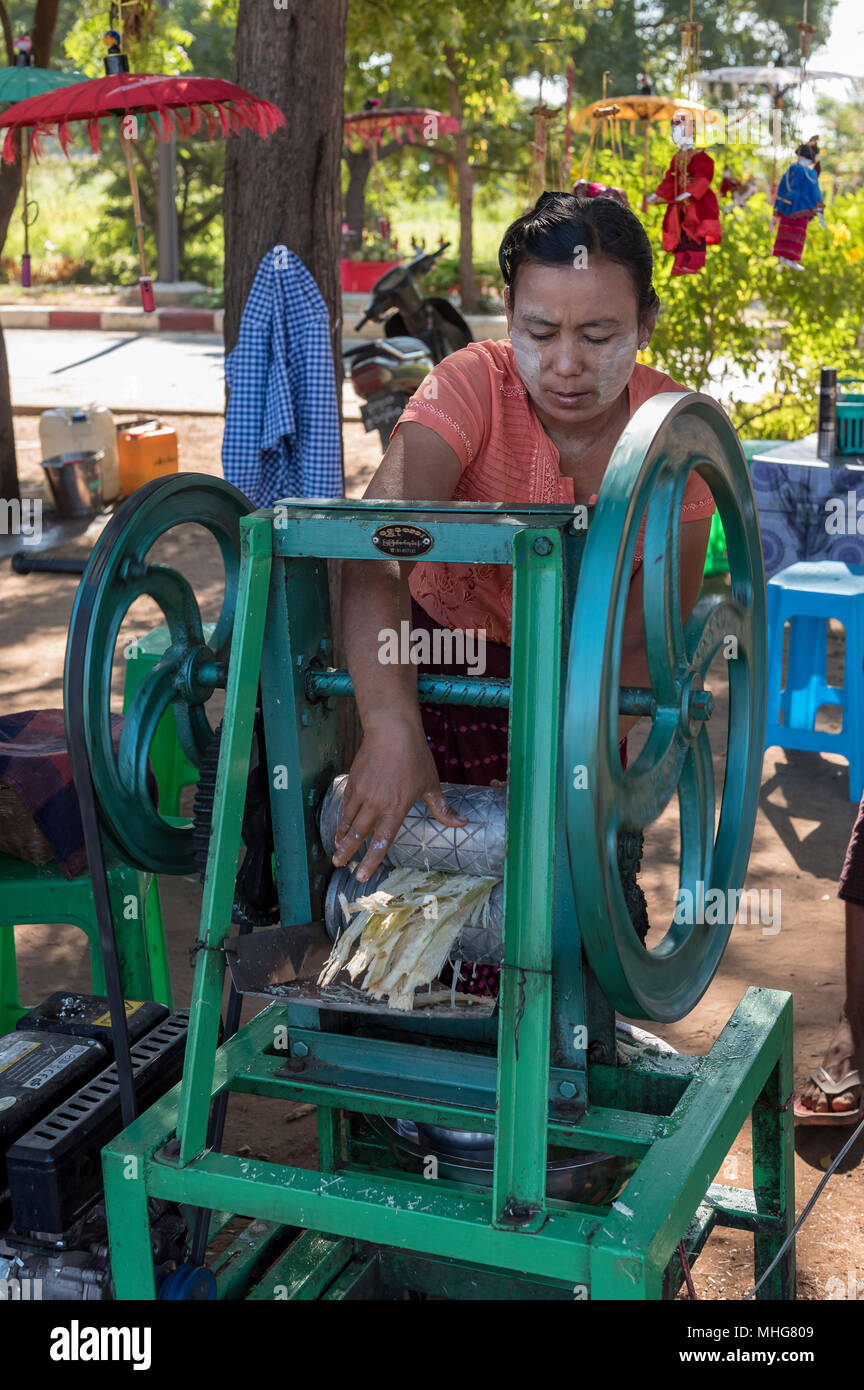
(802, 830)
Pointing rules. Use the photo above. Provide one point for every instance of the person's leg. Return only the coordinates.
(846, 1049)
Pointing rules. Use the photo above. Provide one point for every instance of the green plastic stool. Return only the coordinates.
(171, 768)
(716, 559)
(31, 894)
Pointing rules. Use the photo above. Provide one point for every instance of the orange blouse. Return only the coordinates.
(477, 402)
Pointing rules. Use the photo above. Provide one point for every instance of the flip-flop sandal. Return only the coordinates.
(829, 1087)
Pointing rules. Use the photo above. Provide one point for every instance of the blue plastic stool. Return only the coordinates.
(806, 595)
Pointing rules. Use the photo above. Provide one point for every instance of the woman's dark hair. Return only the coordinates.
(559, 222)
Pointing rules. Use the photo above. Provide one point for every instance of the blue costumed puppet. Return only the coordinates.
(799, 198)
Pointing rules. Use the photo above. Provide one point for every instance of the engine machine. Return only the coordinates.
(567, 1163)
(59, 1104)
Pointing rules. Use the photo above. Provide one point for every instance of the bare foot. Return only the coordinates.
(845, 1053)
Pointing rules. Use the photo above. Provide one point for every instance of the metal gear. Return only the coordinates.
(256, 900)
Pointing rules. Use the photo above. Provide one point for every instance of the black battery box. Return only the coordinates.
(87, 1016)
(55, 1169)
(38, 1071)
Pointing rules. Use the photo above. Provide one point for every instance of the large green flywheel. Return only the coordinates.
(667, 438)
(118, 573)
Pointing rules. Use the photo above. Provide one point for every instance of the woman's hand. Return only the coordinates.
(392, 770)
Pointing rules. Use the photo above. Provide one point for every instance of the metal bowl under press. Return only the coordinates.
(466, 1156)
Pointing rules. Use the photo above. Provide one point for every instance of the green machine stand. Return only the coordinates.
(544, 1074)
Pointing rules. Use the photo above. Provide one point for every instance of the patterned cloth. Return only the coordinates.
(35, 763)
(468, 743)
(282, 436)
(794, 501)
(791, 236)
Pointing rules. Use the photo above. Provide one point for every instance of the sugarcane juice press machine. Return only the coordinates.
(593, 1163)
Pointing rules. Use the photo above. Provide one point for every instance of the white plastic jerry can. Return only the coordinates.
(65, 429)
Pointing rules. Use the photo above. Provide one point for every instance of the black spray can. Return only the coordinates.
(827, 412)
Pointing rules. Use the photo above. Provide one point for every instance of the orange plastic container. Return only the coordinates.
(145, 450)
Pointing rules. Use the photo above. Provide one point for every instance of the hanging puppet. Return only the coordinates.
(585, 188)
(692, 218)
(740, 190)
(799, 199)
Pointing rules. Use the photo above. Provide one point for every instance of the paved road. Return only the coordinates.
(171, 372)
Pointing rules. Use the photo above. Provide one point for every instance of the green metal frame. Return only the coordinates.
(676, 1117)
(622, 1252)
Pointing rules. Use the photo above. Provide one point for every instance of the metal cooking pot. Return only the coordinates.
(75, 482)
(589, 1178)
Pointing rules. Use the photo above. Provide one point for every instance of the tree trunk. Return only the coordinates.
(359, 165)
(287, 189)
(10, 185)
(359, 168)
(465, 179)
(44, 20)
(42, 33)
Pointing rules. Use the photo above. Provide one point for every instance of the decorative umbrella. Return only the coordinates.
(368, 126)
(635, 107)
(18, 82)
(365, 129)
(777, 81)
(181, 102)
(605, 116)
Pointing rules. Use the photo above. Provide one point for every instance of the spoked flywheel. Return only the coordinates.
(667, 438)
(118, 573)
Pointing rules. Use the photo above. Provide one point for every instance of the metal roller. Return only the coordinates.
(423, 843)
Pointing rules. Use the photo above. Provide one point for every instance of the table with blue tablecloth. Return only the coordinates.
(797, 497)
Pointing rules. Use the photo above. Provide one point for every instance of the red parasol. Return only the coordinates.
(369, 126)
(181, 103)
(366, 128)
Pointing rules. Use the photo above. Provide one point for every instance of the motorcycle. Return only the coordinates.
(418, 332)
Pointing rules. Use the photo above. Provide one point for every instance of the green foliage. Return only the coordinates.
(163, 46)
(745, 315)
(632, 36)
(770, 322)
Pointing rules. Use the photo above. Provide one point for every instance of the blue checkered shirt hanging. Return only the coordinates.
(282, 422)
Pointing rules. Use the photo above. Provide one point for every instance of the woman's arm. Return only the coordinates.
(393, 768)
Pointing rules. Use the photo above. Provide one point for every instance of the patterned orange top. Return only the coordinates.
(481, 408)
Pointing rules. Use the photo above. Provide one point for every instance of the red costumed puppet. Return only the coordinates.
(692, 219)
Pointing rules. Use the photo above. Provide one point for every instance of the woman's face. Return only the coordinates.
(575, 334)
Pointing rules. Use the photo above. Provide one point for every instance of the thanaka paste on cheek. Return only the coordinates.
(614, 365)
(526, 355)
